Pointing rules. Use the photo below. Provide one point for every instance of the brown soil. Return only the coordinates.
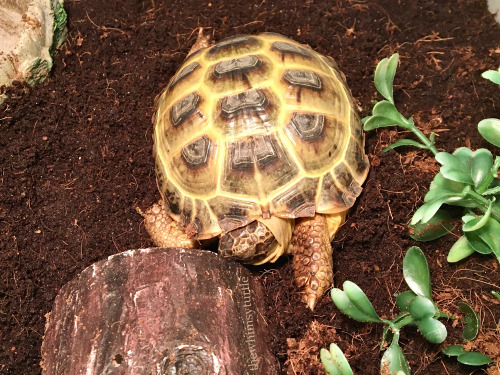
(75, 157)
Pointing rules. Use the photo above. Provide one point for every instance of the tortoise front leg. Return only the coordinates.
(312, 254)
(163, 229)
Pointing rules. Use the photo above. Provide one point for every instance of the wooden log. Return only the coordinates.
(160, 311)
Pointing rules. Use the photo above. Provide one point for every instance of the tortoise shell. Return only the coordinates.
(255, 126)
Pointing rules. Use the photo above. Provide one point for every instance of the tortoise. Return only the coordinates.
(257, 142)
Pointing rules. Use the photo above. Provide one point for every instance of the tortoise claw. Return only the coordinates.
(310, 301)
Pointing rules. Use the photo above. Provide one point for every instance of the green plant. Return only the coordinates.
(492, 75)
(471, 330)
(416, 305)
(496, 294)
(417, 308)
(334, 361)
(466, 178)
(465, 357)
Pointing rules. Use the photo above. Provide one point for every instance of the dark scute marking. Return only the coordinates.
(241, 155)
(259, 149)
(194, 228)
(285, 47)
(233, 213)
(251, 99)
(184, 108)
(183, 74)
(300, 199)
(196, 153)
(360, 162)
(173, 198)
(264, 151)
(309, 126)
(345, 179)
(239, 65)
(303, 78)
(331, 192)
(230, 42)
(186, 212)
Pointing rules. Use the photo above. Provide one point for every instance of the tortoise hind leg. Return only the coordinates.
(312, 254)
(163, 229)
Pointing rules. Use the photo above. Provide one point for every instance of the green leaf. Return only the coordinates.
(496, 294)
(453, 168)
(465, 357)
(394, 361)
(441, 183)
(478, 222)
(492, 75)
(477, 243)
(375, 122)
(490, 234)
(385, 114)
(481, 166)
(471, 321)
(458, 175)
(465, 155)
(437, 226)
(384, 76)
(425, 212)
(454, 350)
(474, 359)
(360, 300)
(422, 308)
(493, 191)
(460, 250)
(404, 142)
(433, 330)
(490, 130)
(453, 161)
(334, 361)
(403, 300)
(345, 305)
(416, 272)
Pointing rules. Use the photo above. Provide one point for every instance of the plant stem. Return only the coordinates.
(483, 204)
(423, 138)
(481, 189)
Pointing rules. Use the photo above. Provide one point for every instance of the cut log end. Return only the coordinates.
(159, 311)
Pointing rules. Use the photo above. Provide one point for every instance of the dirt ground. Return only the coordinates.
(75, 159)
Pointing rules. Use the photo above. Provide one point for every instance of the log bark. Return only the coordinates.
(160, 311)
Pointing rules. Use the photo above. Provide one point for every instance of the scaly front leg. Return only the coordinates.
(164, 230)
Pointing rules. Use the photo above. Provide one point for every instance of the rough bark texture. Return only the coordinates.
(159, 311)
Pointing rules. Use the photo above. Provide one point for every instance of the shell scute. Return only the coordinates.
(246, 113)
(233, 46)
(183, 73)
(238, 74)
(319, 140)
(297, 201)
(182, 109)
